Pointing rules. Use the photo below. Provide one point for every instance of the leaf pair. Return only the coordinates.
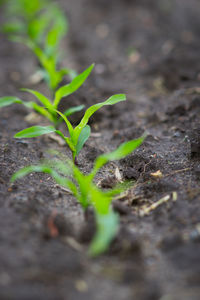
(86, 192)
(78, 135)
(48, 108)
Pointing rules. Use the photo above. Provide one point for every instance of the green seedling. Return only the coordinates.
(86, 192)
(25, 8)
(49, 108)
(48, 53)
(78, 135)
(2, 2)
(40, 25)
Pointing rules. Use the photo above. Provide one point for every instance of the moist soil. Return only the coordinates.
(150, 51)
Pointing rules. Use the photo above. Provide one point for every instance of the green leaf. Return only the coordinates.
(34, 131)
(43, 59)
(60, 134)
(72, 73)
(71, 111)
(38, 26)
(83, 137)
(49, 64)
(72, 86)
(92, 109)
(69, 126)
(44, 100)
(13, 27)
(58, 29)
(41, 110)
(5, 101)
(27, 170)
(66, 139)
(122, 151)
(44, 169)
(84, 185)
(107, 227)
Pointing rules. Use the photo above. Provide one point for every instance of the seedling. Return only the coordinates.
(25, 8)
(86, 192)
(49, 108)
(48, 53)
(78, 135)
(40, 25)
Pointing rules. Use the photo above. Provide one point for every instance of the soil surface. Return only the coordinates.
(150, 51)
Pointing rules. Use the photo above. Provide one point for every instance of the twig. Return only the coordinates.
(147, 210)
(177, 171)
(63, 189)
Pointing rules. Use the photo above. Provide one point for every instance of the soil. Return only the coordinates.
(150, 51)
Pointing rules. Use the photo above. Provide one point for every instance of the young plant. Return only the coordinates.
(86, 192)
(49, 108)
(78, 135)
(25, 8)
(48, 53)
(40, 25)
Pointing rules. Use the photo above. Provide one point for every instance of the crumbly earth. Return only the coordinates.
(150, 51)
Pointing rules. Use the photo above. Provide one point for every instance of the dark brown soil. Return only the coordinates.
(150, 51)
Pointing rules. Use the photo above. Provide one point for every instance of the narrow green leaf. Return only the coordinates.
(64, 181)
(44, 169)
(72, 73)
(66, 139)
(107, 227)
(84, 184)
(60, 134)
(5, 101)
(73, 110)
(92, 109)
(27, 170)
(72, 86)
(38, 26)
(83, 137)
(122, 151)
(58, 29)
(44, 100)
(34, 131)
(13, 27)
(41, 110)
(69, 126)
(39, 53)
(71, 146)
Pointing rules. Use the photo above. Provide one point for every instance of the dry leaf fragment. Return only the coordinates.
(147, 210)
(57, 139)
(73, 243)
(118, 176)
(33, 117)
(81, 286)
(36, 78)
(63, 189)
(96, 134)
(157, 174)
(174, 196)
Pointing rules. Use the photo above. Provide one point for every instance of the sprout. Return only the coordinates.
(78, 135)
(86, 192)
